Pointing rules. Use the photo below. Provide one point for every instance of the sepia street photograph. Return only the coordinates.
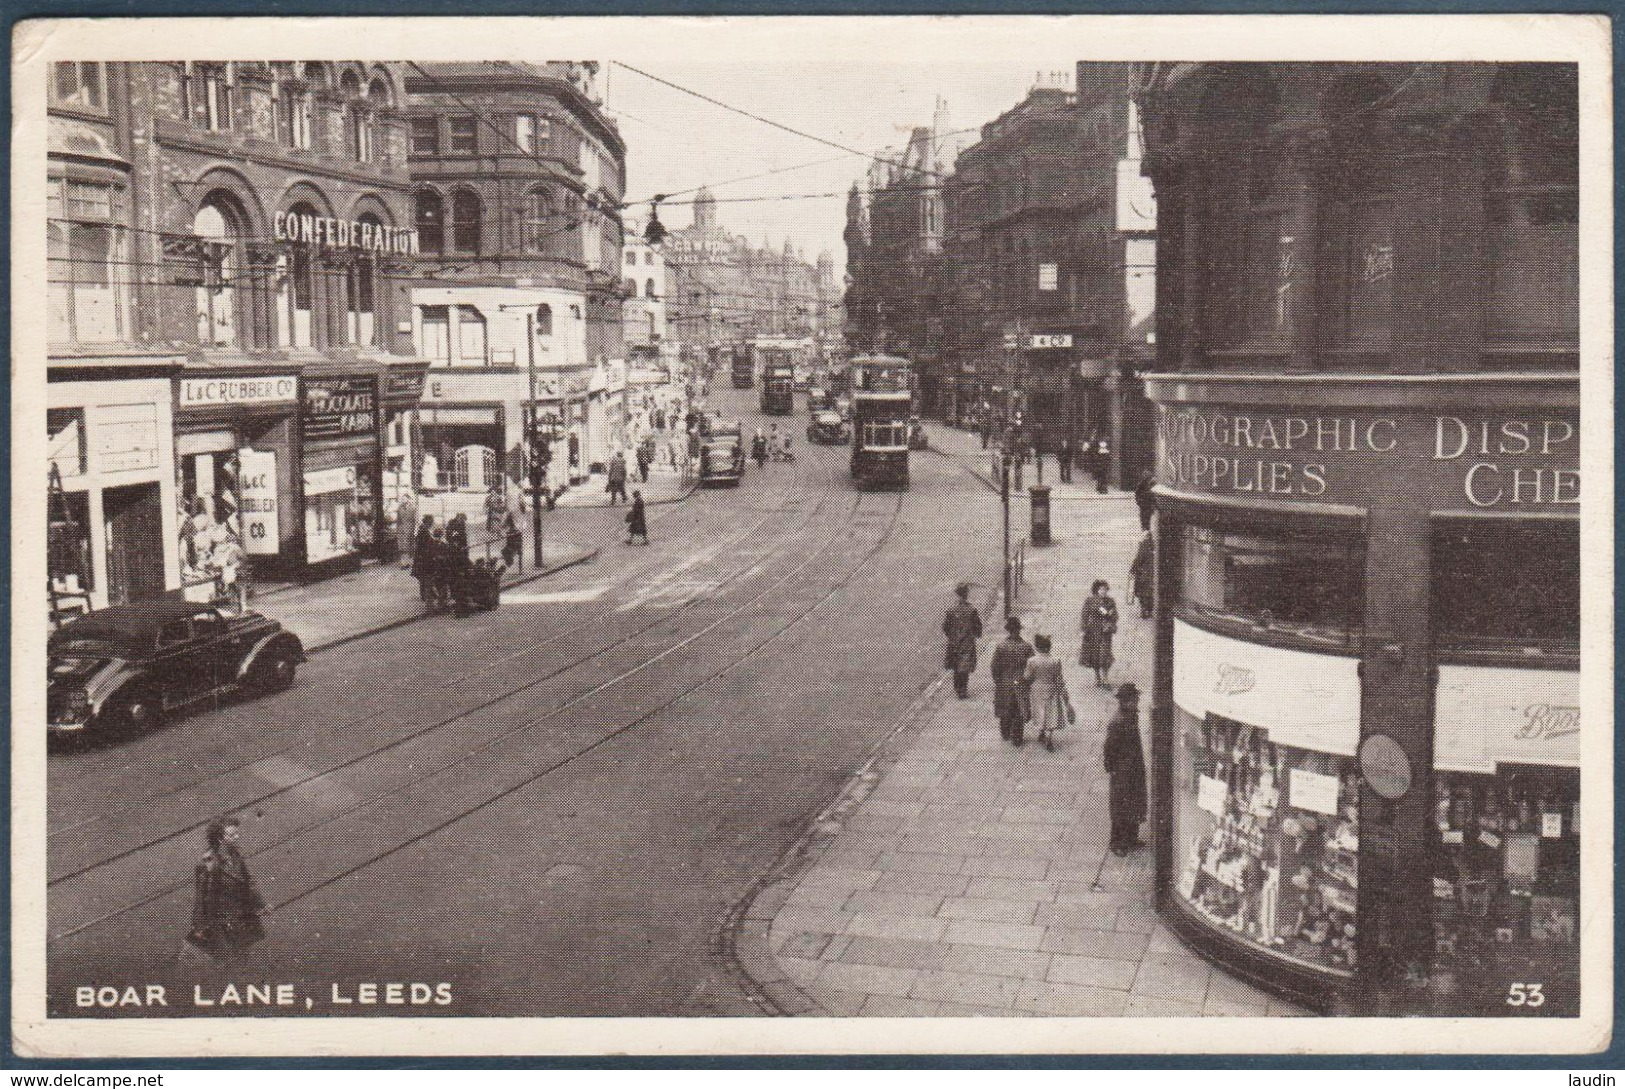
(753, 523)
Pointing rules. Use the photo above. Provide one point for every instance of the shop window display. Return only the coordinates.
(1506, 886)
(1306, 587)
(1267, 840)
(340, 513)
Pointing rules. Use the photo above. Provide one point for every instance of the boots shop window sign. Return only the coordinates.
(340, 408)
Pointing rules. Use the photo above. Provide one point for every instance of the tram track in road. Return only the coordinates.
(245, 802)
(488, 755)
(669, 610)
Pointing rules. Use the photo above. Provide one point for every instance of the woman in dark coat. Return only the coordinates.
(637, 520)
(1141, 576)
(1125, 764)
(226, 907)
(1009, 666)
(1099, 623)
(425, 555)
(962, 625)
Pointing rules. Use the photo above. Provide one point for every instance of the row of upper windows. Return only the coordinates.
(632, 257)
(531, 133)
(631, 286)
(542, 220)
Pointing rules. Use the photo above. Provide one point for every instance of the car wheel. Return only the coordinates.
(134, 714)
(275, 672)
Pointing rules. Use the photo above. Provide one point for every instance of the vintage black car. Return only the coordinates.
(122, 669)
(828, 428)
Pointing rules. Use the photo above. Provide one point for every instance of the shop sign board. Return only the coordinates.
(212, 392)
(327, 481)
(1307, 701)
(339, 407)
(1049, 340)
(404, 385)
(124, 438)
(325, 232)
(257, 483)
(1488, 715)
(1450, 461)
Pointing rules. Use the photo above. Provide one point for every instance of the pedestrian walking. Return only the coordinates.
(1103, 465)
(406, 525)
(496, 505)
(758, 448)
(454, 565)
(1145, 497)
(1065, 453)
(637, 521)
(424, 555)
(1009, 668)
(226, 907)
(616, 487)
(986, 423)
(513, 545)
(1124, 758)
(1099, 623)
(646, 451)
(1050, 701)
(962, 625)
(1142, 576)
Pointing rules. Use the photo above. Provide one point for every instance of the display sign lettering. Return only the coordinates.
(336, 407)
(1211, 794)
(1050, 340)
(327, 481)
(1489, 715)
(1466, 462)
(208, 392)
(257, 484)
(1313, 791)
(326, 232)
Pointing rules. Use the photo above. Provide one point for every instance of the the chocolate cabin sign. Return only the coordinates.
(1470, 462)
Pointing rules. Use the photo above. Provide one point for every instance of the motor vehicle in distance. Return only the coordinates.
(828, 429)
(722, 454)
(744, 368)
(125, 668)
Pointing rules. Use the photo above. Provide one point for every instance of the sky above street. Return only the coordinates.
(677, 142)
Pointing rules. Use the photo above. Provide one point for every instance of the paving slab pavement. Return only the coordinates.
(960, 876)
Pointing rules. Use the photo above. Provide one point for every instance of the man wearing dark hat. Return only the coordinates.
(1009, 666)
(1125, 764)
(962, 624)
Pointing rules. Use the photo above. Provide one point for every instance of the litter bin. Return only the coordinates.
(1040, 506)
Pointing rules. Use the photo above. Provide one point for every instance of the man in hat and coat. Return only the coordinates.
(1125, 764)
(962, 625)
(1009, 666)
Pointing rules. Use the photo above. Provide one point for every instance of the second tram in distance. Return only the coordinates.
(778, 380)
(882, 402)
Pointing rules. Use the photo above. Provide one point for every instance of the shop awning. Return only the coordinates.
(1487, 715)
(1308, 701)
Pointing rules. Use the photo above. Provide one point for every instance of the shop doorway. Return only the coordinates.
(134, 521)
(474, 468)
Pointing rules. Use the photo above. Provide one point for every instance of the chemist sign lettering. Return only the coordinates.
(1514, 462)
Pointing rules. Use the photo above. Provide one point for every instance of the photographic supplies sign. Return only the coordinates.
(259, 513)
(336, 407)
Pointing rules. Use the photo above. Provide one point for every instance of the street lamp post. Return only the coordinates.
(541, 451)
(1004, 497)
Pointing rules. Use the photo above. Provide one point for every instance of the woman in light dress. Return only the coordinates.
(1050, 701)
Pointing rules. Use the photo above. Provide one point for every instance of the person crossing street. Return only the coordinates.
(637, 520)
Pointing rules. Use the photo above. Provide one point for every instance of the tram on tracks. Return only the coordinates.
(778, 370)
(744, 367)
(882, 403)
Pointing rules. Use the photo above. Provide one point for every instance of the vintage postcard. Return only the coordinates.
(795, 535)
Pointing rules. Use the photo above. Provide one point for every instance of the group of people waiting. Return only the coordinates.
(1030, 689)
(447, 577)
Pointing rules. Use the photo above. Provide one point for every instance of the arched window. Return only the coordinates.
(631, 286)
(356, 136)
(219, 226)
(296, 303)
(539, 225)
(544, 320)
(466, 214)
(362, 293)
(431, 221)
(649, 289)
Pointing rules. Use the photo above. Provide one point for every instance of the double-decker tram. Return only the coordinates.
(882, 402)
(744, 367)
(778, 370)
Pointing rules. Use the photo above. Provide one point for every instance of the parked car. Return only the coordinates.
(827, 428)
(124, 668)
